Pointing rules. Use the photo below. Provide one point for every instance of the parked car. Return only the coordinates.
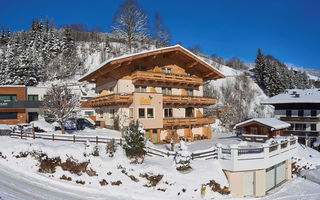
(82, 123)
(70, 124)
(24, 128)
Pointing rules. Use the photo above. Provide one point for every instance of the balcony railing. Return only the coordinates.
(178, 122)
(158, 77)
(20, 104)
(188, 100)
(301, 119)
(111, 100)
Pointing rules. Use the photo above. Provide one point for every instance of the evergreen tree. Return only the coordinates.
(259, 68)
(135, 141)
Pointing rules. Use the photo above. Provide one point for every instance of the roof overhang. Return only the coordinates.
(192, 61)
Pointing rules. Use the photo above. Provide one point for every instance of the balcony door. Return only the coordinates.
(189, 112)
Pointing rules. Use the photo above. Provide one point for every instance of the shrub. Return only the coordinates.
(135, 142)
(111, 148)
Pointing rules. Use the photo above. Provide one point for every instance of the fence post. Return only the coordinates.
(192, 156)
(96, 139)
(219, 148)
(120, 142)
(21, 134)
(52, 137)
(168, 153)
(74, 138)
(32, 124)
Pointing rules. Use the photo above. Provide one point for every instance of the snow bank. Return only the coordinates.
(4, 127)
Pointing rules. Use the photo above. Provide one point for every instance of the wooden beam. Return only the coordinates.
(191, 64)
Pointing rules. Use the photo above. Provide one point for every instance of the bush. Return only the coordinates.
(111, 148)
(135, 142)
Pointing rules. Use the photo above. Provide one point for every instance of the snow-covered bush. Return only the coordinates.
(135, 142)
(90, 150)
(111, 148)
(183, 158)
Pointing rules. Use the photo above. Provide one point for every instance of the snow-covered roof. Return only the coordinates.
(12, 86)
(295, 96)
(146, 52)
(273, 123)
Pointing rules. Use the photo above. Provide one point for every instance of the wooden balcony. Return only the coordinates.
(162, 78)
(111, 100)
(186, 122)
(188, 100)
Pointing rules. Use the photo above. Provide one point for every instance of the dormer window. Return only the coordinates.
(166, 70)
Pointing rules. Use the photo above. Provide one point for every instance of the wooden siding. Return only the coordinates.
(186, 122)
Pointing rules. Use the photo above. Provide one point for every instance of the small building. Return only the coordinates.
(300, 108)
(21, 104)
(267, 127)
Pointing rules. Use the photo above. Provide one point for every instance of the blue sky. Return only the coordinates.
(286, 29)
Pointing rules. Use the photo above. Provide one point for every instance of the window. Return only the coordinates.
(88, 113)
(165, 70)
(8, 97)
(8, 115)
(141, 113)
(168, 112)
(150, 112)
(313, 113)
(130, 113)
(140, 88)
(288, 113)
(189, 92)
(254, 131)
(111, 90)
(143, 89)
(300, 127)
(166, 91)
(188, 74)
(189, 112)
(33, 98)
(300, 113)
(141, 68)
(112, 112)
(313, 127)
(290, 127)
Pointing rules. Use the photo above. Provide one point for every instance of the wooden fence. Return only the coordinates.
(205, 154)
(68, 138)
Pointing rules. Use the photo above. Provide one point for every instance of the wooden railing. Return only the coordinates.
(170, 122)
(68, 138)
(254, 138)
(188, 100)
(111, 100)
(203, 154)
(146, 76)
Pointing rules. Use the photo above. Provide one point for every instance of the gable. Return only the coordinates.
(175, 55)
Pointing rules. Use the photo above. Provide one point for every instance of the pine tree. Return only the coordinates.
(259, 69)
(135, 141)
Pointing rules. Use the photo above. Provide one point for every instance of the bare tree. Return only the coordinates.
(60, 103)
(162, 33)
(130, 22)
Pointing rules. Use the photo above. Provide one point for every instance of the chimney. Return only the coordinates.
(297, 95)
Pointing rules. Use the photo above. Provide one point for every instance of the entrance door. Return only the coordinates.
(248, 183)
(32, 116)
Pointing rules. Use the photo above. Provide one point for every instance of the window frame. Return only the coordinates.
(148, 109)
(10, 115)
(144, 113)
(313, 113)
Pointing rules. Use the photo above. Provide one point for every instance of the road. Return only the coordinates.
(19, 187)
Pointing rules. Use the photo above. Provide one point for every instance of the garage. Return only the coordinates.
(248, 183)
(275, 175)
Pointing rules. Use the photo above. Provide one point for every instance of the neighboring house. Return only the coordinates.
(162, 88)
(268, 127)
(21, 104)
(300, 108)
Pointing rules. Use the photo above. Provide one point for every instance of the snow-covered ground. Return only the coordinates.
(20, 177)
